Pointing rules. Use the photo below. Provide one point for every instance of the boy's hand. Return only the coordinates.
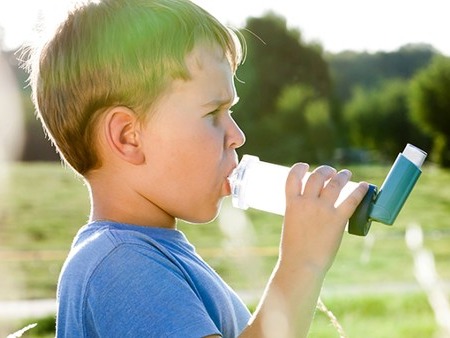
(313, 226)
(312, 233)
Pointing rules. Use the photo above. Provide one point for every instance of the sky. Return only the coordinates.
(359, 25)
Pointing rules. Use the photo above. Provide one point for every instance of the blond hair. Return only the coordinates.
(115, 53)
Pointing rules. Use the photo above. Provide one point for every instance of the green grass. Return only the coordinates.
(45, 204)
(377, 317)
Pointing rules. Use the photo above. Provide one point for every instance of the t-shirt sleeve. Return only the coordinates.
(137, 292)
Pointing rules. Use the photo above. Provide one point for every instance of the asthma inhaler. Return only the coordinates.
(261, 185)
(397, 185)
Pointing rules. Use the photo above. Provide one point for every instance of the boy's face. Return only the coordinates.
(190, 140)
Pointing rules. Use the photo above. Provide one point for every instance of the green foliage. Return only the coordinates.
(301, 128)
(321, 132)
(279, 66)
(350, 69)
(379, 118)
(430, 101)
(430, 105)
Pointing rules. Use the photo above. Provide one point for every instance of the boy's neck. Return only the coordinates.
(148, 221)
(118, 203)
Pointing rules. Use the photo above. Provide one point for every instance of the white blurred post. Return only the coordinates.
(426, 275)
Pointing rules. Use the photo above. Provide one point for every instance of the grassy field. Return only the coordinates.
(371, 288)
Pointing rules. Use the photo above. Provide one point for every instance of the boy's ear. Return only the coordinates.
(122, 131)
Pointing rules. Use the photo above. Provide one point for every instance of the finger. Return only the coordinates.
(349, 205)
(294, 179)
(334, 187)
(317, 180)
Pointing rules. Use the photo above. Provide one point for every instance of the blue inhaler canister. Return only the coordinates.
(385, 204)
(397, 186)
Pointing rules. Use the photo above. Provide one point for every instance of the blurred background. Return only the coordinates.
(320, 79)
(343, 83)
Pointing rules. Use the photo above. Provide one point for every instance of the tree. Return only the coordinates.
(277, 60)
(302, 129)
(430, 106)
(350, 69)
(379, 119)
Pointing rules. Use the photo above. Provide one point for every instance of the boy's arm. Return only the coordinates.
(312, 233)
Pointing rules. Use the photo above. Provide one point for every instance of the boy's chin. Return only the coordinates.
(207, 217)
(201, 220)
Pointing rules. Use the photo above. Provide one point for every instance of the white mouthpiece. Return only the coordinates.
(261, 185)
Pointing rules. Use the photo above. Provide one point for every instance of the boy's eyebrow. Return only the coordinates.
(221, 103)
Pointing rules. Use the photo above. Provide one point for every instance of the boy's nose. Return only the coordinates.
(236, 137)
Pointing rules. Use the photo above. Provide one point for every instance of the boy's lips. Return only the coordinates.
(227, 187)
(227, 180)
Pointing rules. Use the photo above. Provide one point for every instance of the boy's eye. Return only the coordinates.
(216, 115)
(218, 111)
(214, 112)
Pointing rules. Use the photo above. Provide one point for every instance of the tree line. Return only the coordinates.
(300, 103)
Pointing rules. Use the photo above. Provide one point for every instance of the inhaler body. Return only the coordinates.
(261, 185)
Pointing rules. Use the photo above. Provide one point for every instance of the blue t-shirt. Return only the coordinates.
(121, 280)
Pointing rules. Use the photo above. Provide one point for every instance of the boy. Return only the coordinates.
(136, 96)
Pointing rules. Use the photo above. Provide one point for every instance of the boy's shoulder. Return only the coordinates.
(96, 241)
(116, 269)
(110, 257)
